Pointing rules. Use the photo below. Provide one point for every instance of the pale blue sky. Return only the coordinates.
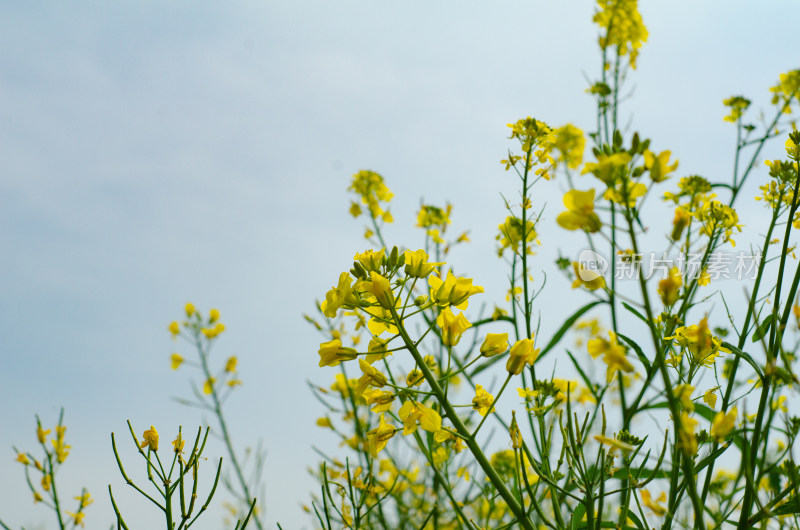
(156, 153)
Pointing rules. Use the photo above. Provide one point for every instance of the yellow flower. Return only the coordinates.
(417, 265)
(703, 347)
(150, 437)
(793, 147)
(381, 288)
(654, 505)
(208, 386)
(580, 211)
(686, 438)
(339, 296)
(178, 443)
(598, 345)
(369, 185)
(415, 377)
(77, 518)
(176, 360)
(21, 458)
(371, 260)
(511, 234)
(738, 105)
(626, 193)
(412, 412)
(718, 218)
(787, 88)
(452, 291)
(382, 399)
(174, 329)
(189, 309)
(710, 398)
(62, 449)
(230, 365)
(590, 279)
(41, 434)
(682, 219)
(669, 287)
(483, 401)
(213, 316)
(623, 25)
(47, 480)
(614, 443)
(372, 377)
(37, 497)
(779, 404)
(85, 499)
(570, 142)
(212, 333)
(494, 344)
(522, 353)
(452, 326)
(433, 216)
(380, 435)
(324, 422)
(723, 424)
(614, 354)
(377, 350)
(658, 165)
(332, 353)
(683, 393)
(608, 168)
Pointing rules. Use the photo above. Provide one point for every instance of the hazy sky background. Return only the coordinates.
(155, 153)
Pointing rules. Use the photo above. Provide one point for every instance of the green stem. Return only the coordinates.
(476, 450)
(223, 425)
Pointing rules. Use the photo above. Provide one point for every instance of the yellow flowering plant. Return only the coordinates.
(175, 480)
(202, 333)
(629, 433)
(40, 475)
(453, 411)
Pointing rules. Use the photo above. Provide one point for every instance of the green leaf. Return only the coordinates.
(577, 517)
(763, 329)
(633, 517)
(635, 312)
(710, 458)
(566, 325)
(583, 375)
(705, 411)
(623, 474)
(638, 350)
(787, 508)
(744, 355)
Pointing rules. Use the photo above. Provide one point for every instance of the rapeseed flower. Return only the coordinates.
(494, 344)
(150, 437)
(452, 326)
(669, 287)
(522, 353)
(483, 401)
(332, 353)
(580, 212)
(452, 291)
(723, 424)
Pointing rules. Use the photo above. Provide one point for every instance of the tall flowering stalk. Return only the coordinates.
(216, 386)
(40, 475)
(434, 368)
